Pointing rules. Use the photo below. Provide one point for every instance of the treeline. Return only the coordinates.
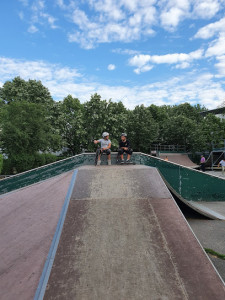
(33, 125)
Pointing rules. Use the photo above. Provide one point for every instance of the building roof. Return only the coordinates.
(216, 111)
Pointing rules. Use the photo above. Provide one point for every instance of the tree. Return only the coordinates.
(178, 130)
(20, 90)
(72, 124)
(213, 130)
(25, 131)
(142, 128)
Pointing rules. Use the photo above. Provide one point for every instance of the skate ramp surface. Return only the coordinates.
(179, 158)
(125, 238)
(28, 220)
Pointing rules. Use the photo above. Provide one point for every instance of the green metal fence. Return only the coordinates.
(36, 175)
(188, 183)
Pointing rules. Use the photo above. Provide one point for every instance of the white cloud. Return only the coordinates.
(171, 18)
(112, 21)
(111, 67)
(141, 61)
(216, 47)
(61, 81)
(32, 29)
(39, 70)
(211, 29)
(106, 21)
(221, 66)
(21, 15)
(35, 14)
(125, 51)
(206, 8)
(173, 12)
(50, 19)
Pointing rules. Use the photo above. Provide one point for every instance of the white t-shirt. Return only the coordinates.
(222, 162)
(104, 143)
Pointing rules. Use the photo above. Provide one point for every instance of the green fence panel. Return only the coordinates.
(42, 173)
(186, 182)
(190, 184)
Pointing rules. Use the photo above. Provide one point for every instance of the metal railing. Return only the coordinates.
(167, 148)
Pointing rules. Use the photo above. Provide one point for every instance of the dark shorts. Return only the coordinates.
(107, 151)
(121, 151)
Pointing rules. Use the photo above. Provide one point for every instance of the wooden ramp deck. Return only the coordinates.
(28, 220)
(125, 238)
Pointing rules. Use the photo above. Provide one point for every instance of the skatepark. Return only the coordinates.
(71, 230)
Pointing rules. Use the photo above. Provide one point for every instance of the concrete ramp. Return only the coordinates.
(179, 158)
(125, 238)
(28, 221)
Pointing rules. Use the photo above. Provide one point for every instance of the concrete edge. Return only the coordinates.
(40, 291)
(203, 250)
(207, 211)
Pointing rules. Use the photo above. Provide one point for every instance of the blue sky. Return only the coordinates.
(134, 51)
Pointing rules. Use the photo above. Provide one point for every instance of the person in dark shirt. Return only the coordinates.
(124, 147)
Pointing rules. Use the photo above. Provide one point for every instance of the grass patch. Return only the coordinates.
(214, 253)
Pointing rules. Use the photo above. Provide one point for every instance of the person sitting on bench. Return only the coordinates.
(105, 147)
(124, 147)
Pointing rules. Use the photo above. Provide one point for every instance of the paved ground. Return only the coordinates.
(211, 234)
(125, 238)
(28, 219)
(216, 173)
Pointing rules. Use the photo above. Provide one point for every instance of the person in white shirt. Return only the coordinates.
(222, 163)
(105, 147)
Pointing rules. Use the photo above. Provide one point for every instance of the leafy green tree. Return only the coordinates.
(178, 130)
(20, 90)
(25, 131)
(213, 130)
(95, 117)
(71, 122)
(142, 128)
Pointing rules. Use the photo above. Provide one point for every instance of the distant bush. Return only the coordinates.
(25, 162)
(49, 158)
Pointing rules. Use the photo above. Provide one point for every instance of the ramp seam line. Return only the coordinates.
(54, 245)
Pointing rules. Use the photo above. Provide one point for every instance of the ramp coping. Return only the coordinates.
(54, 245)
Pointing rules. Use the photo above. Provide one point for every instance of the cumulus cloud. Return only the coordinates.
(173, 11)
(106, 21)
(220, 65)
(39, 70)
(211, 29)
(112, 21)
(206, 9)
(61, 81)
(216, 47)
(111, 67)
(183, 60)
(127, 21)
